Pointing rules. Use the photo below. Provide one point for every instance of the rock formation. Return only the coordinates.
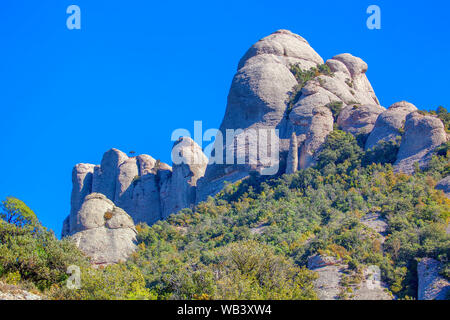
(422, 135)
(179, 191)
(292, 160)
(432, 286)
(103, 231)
(13, 292)
(274, 123)
(358, 119)
(258, 99)
(131, 188)
(329, 285)
(388, 124)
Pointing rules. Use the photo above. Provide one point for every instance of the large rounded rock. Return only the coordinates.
(388, 124)
(103, 231)
(358, 119)
(422, 135)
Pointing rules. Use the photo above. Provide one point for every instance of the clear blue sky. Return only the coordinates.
(137, 70)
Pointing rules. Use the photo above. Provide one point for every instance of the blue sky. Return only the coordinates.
(139, 69)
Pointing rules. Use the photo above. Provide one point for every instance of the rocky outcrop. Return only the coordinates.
(13, 292)
(432, 286)
(389, 123)
(422, 135)
(257, 100)
(292, 159)
(444, 185)
(331, 273)
(312, 126)
(105, 175)
(103, 231)
(145, 188)
(179, 191)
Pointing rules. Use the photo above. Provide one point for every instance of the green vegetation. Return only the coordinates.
(335, 108)
(253, 239)
(302, 78)
(384, 152)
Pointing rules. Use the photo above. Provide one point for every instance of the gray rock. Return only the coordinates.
(444, 185)
(137, 189)
(103, 231)
(132, 183)
(12, 292)
(257, 100)
(311, 117)
(431, 285)
(359, 119)
(82, 175)
(292, 159)
(422, 135)
(189, 165)
(312, 124)
(388, 124)
(327, 285)
(331, 272)
(104, 180)
(377, 223)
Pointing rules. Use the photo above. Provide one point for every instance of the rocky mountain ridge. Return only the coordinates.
(271, 90)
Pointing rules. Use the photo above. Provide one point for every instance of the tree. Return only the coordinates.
(15, 211)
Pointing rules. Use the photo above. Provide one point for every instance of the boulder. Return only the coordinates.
(359, 119)
(422, 135)
(103, 231)
(432, 286)
(388, 124)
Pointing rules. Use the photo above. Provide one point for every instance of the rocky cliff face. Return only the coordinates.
(265, 95)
